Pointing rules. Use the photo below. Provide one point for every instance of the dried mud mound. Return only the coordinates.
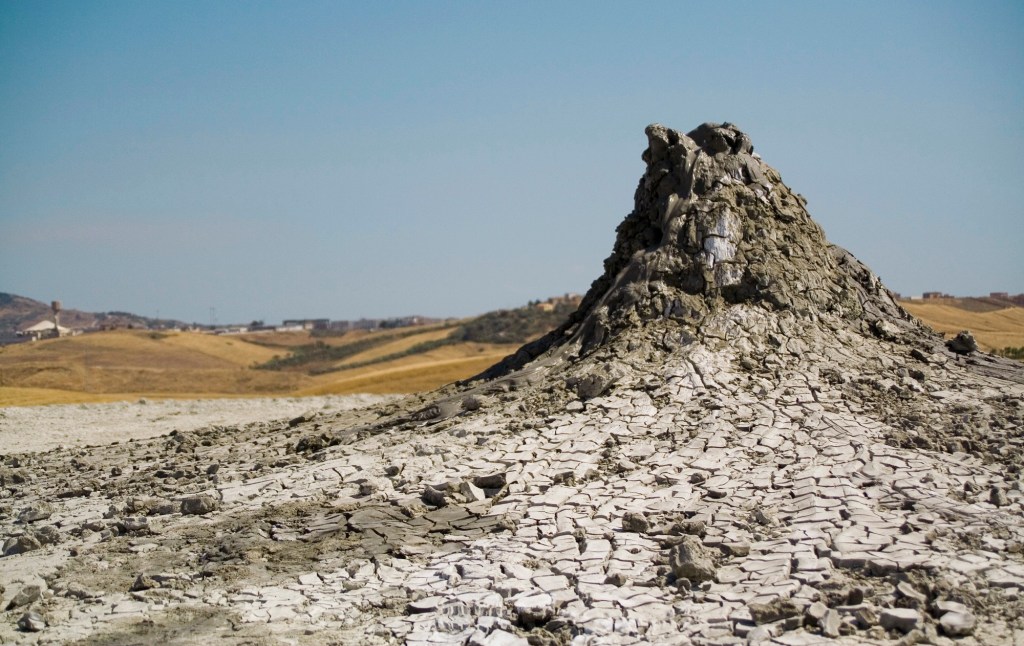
(738, 438)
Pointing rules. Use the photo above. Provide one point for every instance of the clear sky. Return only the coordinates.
(279, 160)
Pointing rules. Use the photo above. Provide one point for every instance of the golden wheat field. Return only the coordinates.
(994, 330)
(126, 364)
(129, 364)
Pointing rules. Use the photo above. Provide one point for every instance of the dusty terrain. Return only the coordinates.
(26, 429)
(739, 437)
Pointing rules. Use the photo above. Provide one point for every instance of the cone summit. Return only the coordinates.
(714, 227)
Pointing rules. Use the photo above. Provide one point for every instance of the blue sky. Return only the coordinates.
(346, 159)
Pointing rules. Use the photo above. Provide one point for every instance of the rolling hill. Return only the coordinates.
(128, 364)
(994, 325)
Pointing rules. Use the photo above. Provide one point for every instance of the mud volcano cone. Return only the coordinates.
(718, 253)
(738, 438)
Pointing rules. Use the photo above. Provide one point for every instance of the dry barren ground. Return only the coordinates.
(41, 428)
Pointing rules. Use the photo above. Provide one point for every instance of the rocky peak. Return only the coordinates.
(713, 227)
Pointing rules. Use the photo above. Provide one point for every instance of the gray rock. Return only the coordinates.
(831, 624)
(963, 343)
(144, 582)
(957, 624)
(47, 535)
(997, 497)
(634, 522)
(134, 524)
(426, 604)
(164, 508)
(28, 594)
(691, 560)
(39, 511)
(534, 609)
(24, 543)
(492, 481)
(775, 610)
(689, 528)
(435, 497)
(909, 592)
(471, 492)
(198, 505)
(901, 619)
(735, 548)
(816, 612)
(943, 606)
(31, 622)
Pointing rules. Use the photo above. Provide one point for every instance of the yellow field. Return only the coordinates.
(994, 330)
(412, 374)
(396, 346)
(126, 365)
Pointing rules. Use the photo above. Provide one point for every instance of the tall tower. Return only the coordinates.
(56, 306)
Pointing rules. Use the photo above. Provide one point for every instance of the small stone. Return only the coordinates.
(816, 612)
(634, 522)
(47, 535)
(40, 511)
(534, 609)
(909, 592)
(691, 560)
(855, 596)
(134, 524)
(901, 619)
(370, 486)
(774, 610)
(493, 481)
(957, 624)
(435, 497)
(736, 549)
(31, 622)
(144, 582)
(198, 505)
(943, 606)
(27, 595)
(762, 634)
(689, 528)
(471, 492)
(617, 579)
(830, 624)
(426, 604)
(997, 497)
(963, 343)
(865, 617)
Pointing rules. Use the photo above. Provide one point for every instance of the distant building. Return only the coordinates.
(1000, 295)
(933, 295)
(307, 324)
(44, 330)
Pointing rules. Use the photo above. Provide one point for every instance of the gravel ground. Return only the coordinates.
(41, 428)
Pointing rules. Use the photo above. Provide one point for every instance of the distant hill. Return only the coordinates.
(19, 312)
(127, 364)
(996, 323)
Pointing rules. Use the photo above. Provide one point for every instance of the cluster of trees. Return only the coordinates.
(1013, 353)
(514, 326)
